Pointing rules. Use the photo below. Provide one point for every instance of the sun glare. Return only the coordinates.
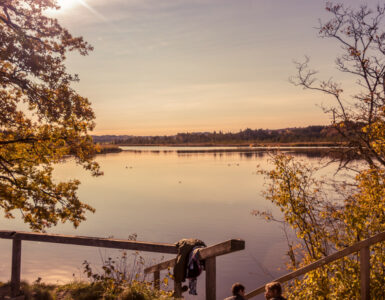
(67, 4)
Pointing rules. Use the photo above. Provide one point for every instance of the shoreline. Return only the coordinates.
(241, 145)
(219, 148)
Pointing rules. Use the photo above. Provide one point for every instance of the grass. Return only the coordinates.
(81, 290)
(117, 279)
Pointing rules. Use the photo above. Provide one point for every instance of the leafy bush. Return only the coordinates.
(324, 224)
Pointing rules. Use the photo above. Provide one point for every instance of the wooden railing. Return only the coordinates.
(208, 254)
(18, 236)
(362, 247)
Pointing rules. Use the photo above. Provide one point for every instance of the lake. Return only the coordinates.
(164, 194)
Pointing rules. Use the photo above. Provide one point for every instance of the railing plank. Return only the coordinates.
(90, 241)
(323, 261)
(222, 248)
(161, 266)
(211, 251)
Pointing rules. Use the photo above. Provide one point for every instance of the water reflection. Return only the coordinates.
(243, 152)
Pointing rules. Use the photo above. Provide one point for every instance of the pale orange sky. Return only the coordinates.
(168, 66)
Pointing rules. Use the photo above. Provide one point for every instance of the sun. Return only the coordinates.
(67, 4)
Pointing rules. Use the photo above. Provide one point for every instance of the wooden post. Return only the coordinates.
(16, 267)
(211, 279)
(177, 289)
(157, 280)
(365, 272)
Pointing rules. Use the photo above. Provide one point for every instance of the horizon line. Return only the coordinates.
(208, 131)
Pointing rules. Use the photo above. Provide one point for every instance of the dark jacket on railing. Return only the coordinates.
(185, 246)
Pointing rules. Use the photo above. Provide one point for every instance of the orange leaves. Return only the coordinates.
(354, 52)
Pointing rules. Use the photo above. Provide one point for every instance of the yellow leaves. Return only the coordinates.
(354, 52)
(322, 226)
(165, 281)
(6, 66)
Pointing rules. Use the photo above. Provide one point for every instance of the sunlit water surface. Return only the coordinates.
(164, 196)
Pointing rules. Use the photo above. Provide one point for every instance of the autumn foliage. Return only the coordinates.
(42, 119)
(326, 216)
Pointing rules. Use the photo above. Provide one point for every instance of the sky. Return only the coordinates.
(160, 67)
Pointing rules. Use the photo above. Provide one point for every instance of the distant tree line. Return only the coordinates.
(248, 136)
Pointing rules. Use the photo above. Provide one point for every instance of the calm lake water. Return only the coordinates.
(164, 195)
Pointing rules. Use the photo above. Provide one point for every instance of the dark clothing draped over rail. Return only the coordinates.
(185, 246)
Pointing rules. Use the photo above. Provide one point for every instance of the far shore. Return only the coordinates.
(116, 148)
(243, 145)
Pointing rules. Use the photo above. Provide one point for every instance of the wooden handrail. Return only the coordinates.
(212, 251)
(362, 245)
(19, 236)
(89, 241)
(161, 266)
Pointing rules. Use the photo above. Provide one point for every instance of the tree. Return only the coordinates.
(359, 118)
(42, 119)
(327, 216)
